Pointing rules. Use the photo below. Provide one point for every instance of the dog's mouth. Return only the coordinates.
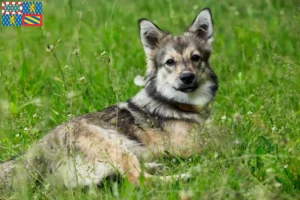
(186, 89)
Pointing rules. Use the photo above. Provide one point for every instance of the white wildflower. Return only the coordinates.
(67, 67)
(277, 185)
(76, 51)
(49, 48)
(216, 155)
(185, 194)
(37, 102)
(195, 7)
(82, 79)
(71, 94)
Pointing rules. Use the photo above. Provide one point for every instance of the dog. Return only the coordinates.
(161, 119)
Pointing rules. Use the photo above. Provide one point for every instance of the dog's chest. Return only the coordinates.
(173, 136)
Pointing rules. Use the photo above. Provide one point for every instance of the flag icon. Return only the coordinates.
(32, 7)
(32, 20)
(11, 8)
(11, 20)
(22, 14)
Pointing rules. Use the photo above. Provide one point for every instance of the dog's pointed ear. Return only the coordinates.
(150, 34)
(202, 25)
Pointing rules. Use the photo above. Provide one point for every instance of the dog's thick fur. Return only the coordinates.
(162, 117)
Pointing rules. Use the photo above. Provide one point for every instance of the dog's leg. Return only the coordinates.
(176, 177)
(158, 166)
(154, 166)
(80, 172)
(108, 146)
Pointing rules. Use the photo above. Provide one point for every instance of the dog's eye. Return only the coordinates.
(170, 62)
(195, 58)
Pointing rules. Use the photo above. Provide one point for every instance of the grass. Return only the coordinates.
(255, 151)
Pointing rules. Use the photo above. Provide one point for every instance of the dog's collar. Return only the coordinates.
(189, 108)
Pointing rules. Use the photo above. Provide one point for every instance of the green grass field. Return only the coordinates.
(254, 152)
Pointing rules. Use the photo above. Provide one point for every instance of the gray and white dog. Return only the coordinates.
(162, 117)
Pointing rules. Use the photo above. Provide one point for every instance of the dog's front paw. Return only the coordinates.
(153, 166)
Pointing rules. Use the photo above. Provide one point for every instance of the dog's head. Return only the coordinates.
(178, 70)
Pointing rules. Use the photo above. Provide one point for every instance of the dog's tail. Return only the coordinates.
(7, 171)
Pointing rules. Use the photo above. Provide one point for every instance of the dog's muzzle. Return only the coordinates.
(188, 82)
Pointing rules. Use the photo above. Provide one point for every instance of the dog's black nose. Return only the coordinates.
(187, 77)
